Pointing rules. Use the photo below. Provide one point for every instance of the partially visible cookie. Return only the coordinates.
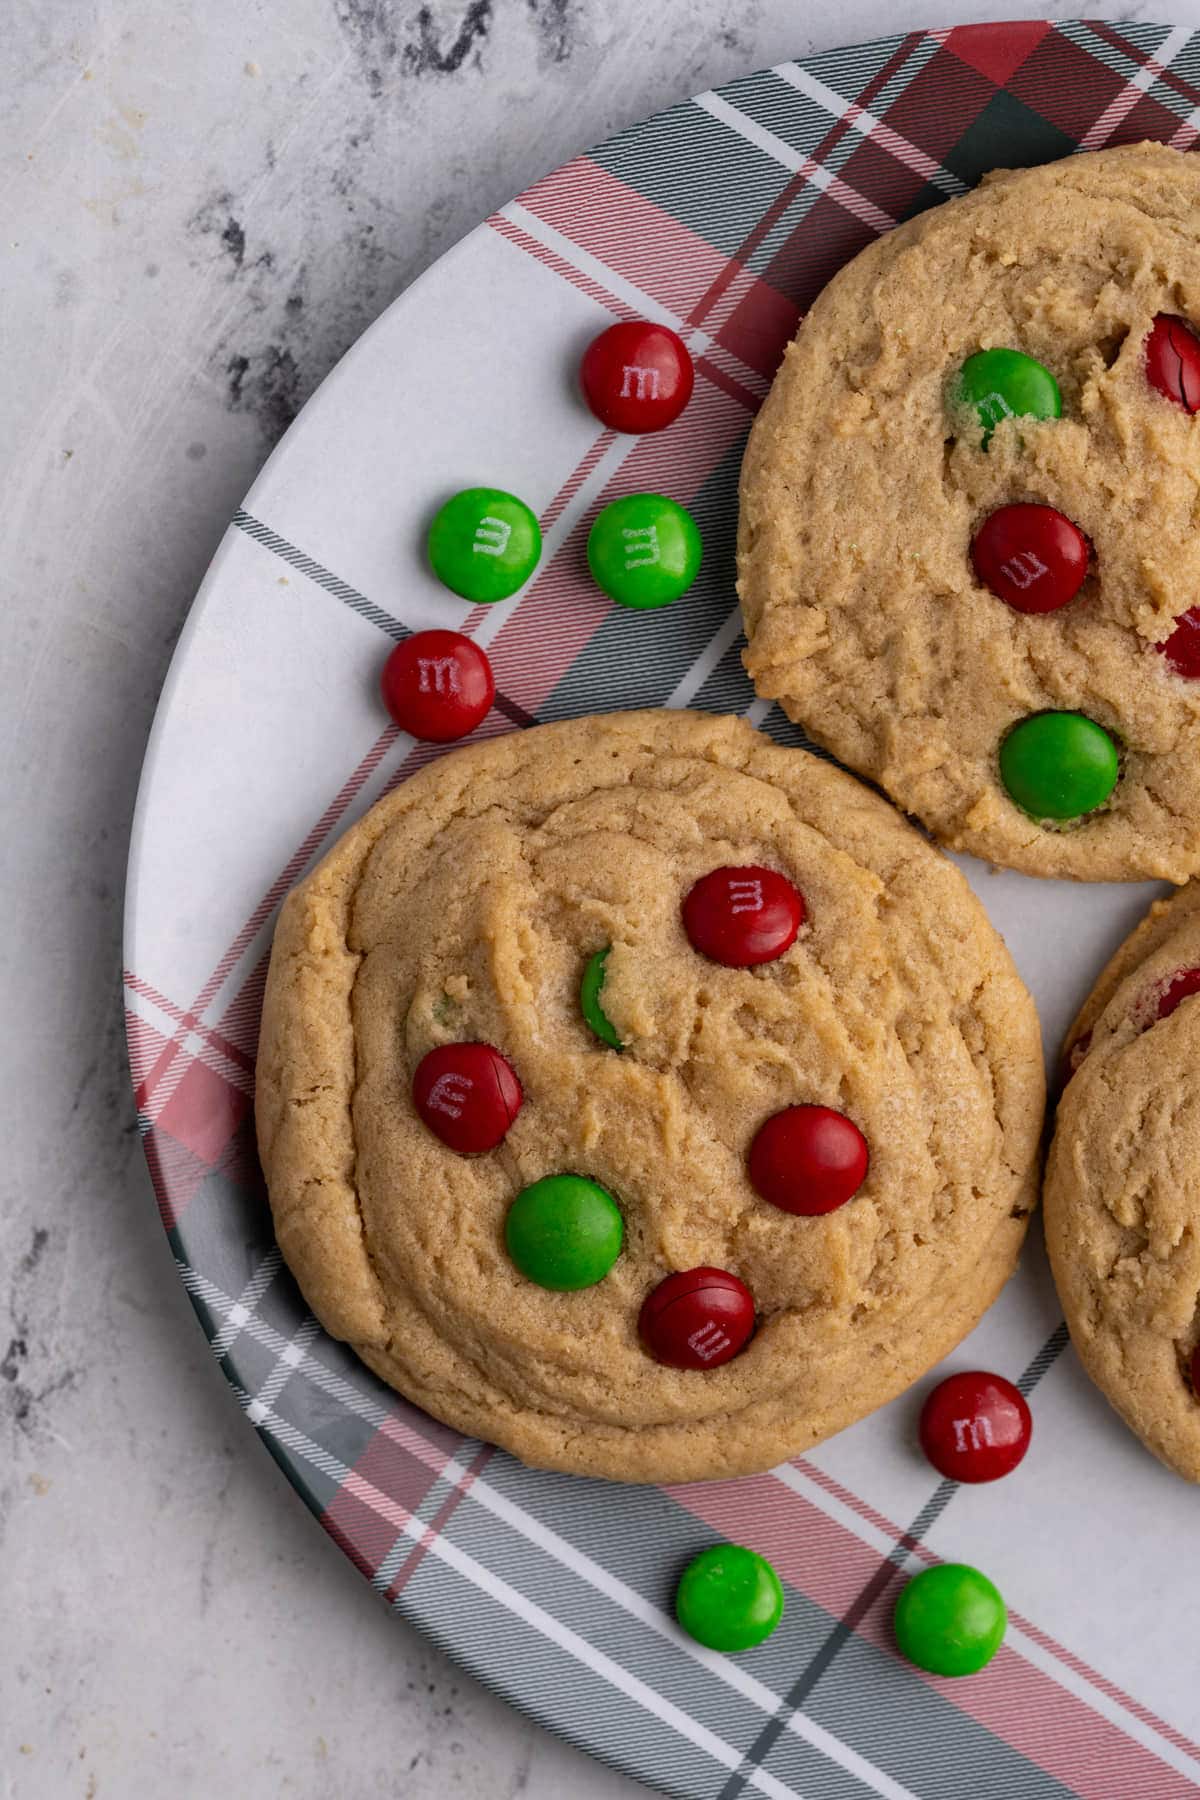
(1122, 1192)
(999, 625)
(462, 912)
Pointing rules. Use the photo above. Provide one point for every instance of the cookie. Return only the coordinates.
(1122, 1193)
(464, 909)
(879, 496)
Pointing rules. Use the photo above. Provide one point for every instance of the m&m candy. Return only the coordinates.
(644, 551)
(1173, 361)
(808, 1160)
(468, 1095)
(1006, 384)
(975, 1426)
(1031, 557)
(1179, 988)
(697, 1318)
(743, 916)
(1058, 765)
(1182, 648)
(564, 1232)
(950, 1620)
(484, 544)
(437, 685)
(593, 1012)
(729, 1598)
(637, 376)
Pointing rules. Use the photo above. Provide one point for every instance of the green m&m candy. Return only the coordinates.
(729, 1598)
(644, 550)
(589, 1000)
(484, 544)
(1058, 765)
(564, 1232)
(950, 1620)
(1007, 384)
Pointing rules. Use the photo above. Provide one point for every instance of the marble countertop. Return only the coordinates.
(204, 203)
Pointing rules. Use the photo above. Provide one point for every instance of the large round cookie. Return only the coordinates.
(463, 906)
(861, 492)
(1122, 1194)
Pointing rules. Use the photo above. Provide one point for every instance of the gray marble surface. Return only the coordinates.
(203, 204)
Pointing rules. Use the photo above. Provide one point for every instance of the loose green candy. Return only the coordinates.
(950, 1620)
(564, 1232)
(589, 1000)
(1058, 765)
(644, 550)
(484, 544)
(729, 1598)
(1006, 384)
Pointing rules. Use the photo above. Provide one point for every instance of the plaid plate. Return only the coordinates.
(724, 217)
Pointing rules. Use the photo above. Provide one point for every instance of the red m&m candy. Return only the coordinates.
(1182, 648)
(975, 1426)
(1178, 988)
(1173, 361)
(743, 916)
(468, 1095)
(697, 1319)
(808, 1160)
(1031, 557)
(438, 685)
(637, 376)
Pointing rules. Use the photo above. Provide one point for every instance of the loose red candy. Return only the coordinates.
(743, 916)
(1031, 557)
(438, 685)
(1173, 361)
(697, 1319)
(808, 1160)
(1178, 988)
(468, 1095)
(975, 1427)
(637, 376)
(1182, 648)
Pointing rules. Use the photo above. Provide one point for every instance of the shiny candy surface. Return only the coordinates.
(1182, 648)
(484, 544)
(743, 916)
(1179, 988)
(1031, 557)
(468, 1095)
(1058, 765)
(697, 1318)
(637, 376)
(564, 1232)
(644, 551)
(975, 1426)
(1005, 384)
(590, 989)
(950, 1620)
(1173, 361)
(437, 685)
(729, 1598)
(808, 1160)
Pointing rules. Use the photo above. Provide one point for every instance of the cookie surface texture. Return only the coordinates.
(1122, 1193)
(463, 908)
(865, 484)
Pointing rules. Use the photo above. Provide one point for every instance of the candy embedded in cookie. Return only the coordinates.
(468, 1095)
(590, 1003)
(745, 916)
(808, 1160)
(1031, 557)
(1005, 384)
(1173, 361)
(1059, 766)
(564, 1232)
(697, 1318)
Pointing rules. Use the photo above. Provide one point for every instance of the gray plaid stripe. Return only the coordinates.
(333, 584)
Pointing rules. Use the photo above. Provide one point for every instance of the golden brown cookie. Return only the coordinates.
(863, 489)
(1122, 1193)
(463, 908)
